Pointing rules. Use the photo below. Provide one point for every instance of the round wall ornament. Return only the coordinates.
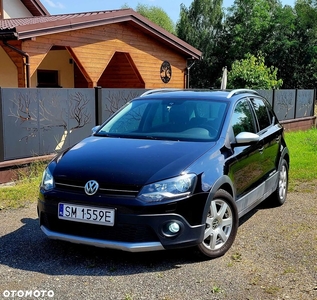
(166, 71)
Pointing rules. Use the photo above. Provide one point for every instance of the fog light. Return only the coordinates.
(174, 227)
(171, 229)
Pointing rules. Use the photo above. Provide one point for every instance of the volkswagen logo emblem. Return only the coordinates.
(91, 187)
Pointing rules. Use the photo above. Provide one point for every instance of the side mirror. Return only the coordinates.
(94, 129)
(247, 138)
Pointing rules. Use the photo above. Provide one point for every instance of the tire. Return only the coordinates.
(279, 195)
(221, 226)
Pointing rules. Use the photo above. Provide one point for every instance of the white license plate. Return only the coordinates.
(86, 214)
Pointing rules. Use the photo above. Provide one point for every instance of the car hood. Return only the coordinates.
(127, 161)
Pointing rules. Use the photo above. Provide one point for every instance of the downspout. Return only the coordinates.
(188, 69)
(27, 62)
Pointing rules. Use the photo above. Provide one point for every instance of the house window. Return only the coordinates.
(47, 78)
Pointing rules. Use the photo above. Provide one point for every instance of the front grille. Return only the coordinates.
(104, 189)
(118, 232)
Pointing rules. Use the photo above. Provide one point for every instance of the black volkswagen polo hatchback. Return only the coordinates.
(168, 170)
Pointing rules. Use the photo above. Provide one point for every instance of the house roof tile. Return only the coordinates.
(24, 28)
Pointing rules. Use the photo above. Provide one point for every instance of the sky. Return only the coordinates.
(171, 7)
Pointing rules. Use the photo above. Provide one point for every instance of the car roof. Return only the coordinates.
(201, 94)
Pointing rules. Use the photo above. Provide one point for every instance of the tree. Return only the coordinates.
(252, 73)
(200, 26)
(294, 49)
(279, 50)
(249, 26)
(157, 15)
(286, 36)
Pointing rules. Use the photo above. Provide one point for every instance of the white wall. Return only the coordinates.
(14, 9)
(8, 71)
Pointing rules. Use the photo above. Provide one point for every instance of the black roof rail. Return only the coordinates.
(241, 91)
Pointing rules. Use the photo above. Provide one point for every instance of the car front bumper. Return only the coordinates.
(133, 231)
(117, 245)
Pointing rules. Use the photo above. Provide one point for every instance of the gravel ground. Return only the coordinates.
(274, 257)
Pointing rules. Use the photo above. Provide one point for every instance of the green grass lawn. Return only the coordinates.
(303, 171)
(25, 190)
(303, 159)
(303, 152)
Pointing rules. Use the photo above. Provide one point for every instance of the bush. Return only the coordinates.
(252, 73)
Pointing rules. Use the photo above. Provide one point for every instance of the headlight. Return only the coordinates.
(177, 187)
(47, 180)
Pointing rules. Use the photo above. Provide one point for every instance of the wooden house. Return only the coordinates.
(111, 49)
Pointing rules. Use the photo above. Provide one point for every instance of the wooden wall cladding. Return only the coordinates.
(17, 59)
(95, 48)
(121, 72)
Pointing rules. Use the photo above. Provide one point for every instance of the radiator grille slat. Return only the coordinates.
(103, 188)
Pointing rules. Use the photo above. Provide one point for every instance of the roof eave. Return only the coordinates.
(166, 36)
(37, 6)
(125, 15)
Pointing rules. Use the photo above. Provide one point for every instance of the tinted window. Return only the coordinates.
(261, 112)
(168, 119)
(242, 120)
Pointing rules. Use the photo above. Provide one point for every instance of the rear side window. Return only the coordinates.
(261, 112)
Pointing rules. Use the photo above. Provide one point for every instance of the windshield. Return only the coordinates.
(168, 119)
